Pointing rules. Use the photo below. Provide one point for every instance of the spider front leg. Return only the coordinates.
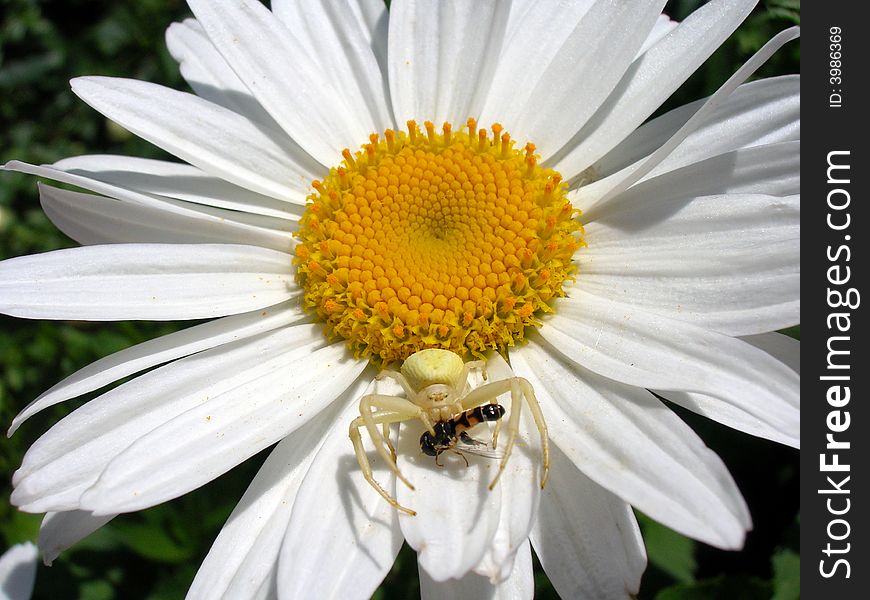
(385, 419)
(403, 408)
(520, 389)
(475, 364)
(481, 366)
(398, 378)
(385, 431)
(409, 392)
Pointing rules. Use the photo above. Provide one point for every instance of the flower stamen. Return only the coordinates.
(450, 240)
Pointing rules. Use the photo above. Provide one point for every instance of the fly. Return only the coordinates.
(449, 434)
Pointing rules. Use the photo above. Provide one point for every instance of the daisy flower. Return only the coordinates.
(357, 185)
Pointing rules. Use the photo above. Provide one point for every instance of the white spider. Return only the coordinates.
(436, 390)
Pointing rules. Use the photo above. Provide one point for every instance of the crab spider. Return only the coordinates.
(436, 389)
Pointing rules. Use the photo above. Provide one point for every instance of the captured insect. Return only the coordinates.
(437, 393)
(449, 433)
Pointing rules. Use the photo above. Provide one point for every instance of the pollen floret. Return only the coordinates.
(427, 239)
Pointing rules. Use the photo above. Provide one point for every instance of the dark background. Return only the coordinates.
(827, 130)
(154, 554)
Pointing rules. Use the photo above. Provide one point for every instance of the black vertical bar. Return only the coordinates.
(835, 562)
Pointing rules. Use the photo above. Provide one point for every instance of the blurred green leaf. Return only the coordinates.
(152, 542)
(794, 332)
(96, 590)
(669, 551)
(17, 527)
(720, 588)
(28, 70)
(786, 575)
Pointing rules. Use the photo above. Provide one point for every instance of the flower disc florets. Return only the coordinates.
(451, 240)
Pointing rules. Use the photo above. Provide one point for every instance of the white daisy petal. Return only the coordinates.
(442, 56)
(147, 281)
(284, 76)
(448, 541)
(18, 572)
(180, 181)
(519, 488)
(339, 38)
(519, 586)
(622, 181)
(373, 19)
(179, 207)
(90, 220)
(217, 224)
(533, 38)
(351, 556)
(742, 416)
(586, 538)
(629, 442)
(772, 169)
(161, 350)
(206, 71)
(743, 387)
(370, 13)
(243, 561)
(218, 141)
(729, 263)
(650, 80)
(758, 113)
(62, 530)
(578, 77)
(784, 348)
(663, 26)
(374, 16)
(69, 457)
(264, 406)
(634, 224)
(521, 16)
(376, 21)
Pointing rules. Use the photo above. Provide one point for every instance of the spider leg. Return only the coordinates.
(398, 378)
(495, 431)
(488, 392)
(540, 423)
(476, 364)
(362, 458)
(481, 364)
(520, 390)
(513, 428)
(409, 393)
(385, 431)
(401, 406)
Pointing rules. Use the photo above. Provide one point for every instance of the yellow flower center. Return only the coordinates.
(452, 240)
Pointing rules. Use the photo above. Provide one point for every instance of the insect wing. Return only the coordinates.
(483, 450)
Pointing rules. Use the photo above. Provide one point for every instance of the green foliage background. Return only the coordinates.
(154, 554)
